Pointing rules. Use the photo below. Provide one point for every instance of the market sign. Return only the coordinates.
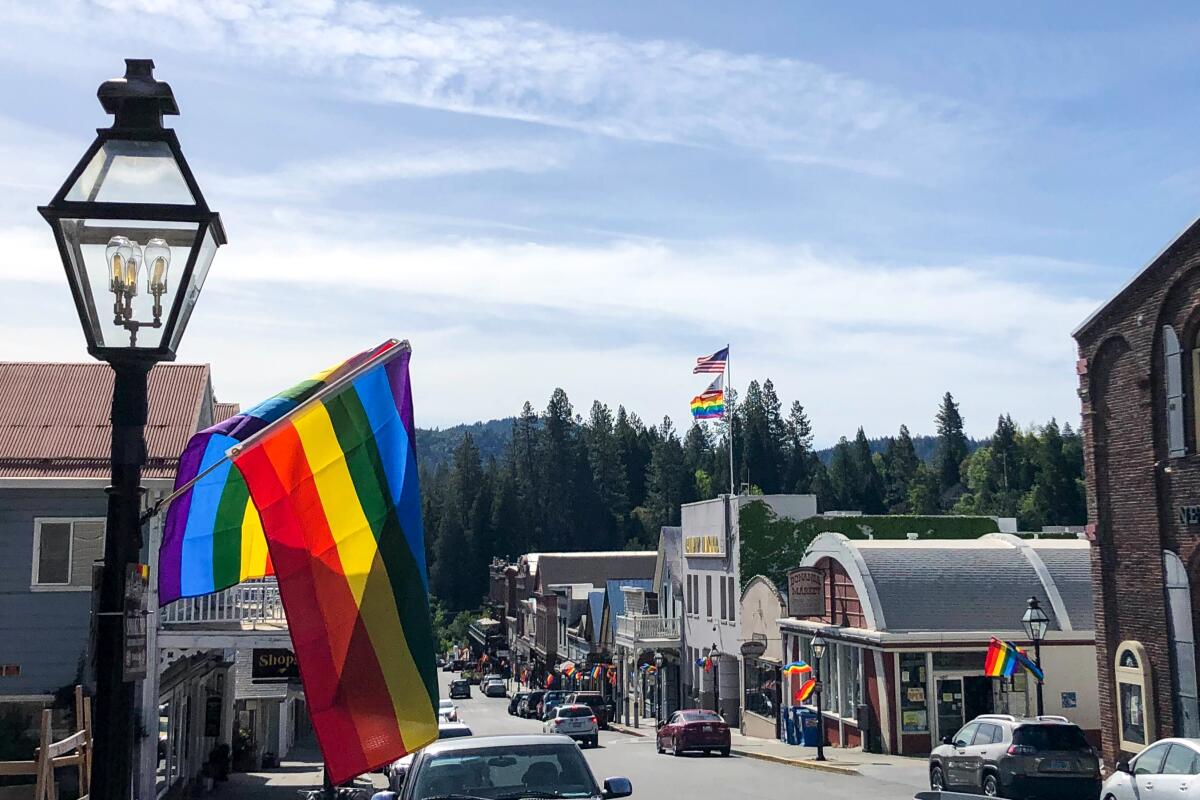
(274, 664)
(710, 544)
(806, 592)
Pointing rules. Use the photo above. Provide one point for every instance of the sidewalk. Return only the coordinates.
(844, 761)
(300, 770)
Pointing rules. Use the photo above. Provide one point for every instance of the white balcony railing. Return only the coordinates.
(248, 604)
(647, 627)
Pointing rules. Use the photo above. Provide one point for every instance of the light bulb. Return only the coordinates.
(158, 257)
(117, 254)
(133, 265)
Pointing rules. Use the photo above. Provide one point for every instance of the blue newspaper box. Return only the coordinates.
(810, 727)
(789, 728)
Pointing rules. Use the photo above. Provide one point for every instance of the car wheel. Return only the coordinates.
(675, 751)
(724, 752)
(658, 746)
(937, 781)
(595, 741)
(991, 786)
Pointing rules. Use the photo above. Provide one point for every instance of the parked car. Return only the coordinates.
(507, 766)
(460, 688)
(453, 730)
(596, 702)
(514, 705)
(1167, 768)
(532, 707)
(1000, 755)
(471, 676)
(551, 701)
(494, 688)
(693, 729)
(576, 721)
(399, 768)
(447, 709)
(447, 665)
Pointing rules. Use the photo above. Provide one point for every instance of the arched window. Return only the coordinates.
(1183, 645)
(1135, 712)
(1173, 368)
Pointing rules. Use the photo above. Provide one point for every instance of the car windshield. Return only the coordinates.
(574, 711)
(1050, 737)
(516, 771)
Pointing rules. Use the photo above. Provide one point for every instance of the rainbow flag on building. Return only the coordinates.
(1003, 658)
(710, 404)
(213, 537)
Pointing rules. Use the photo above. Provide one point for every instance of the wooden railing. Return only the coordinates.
(73, 751)
(253, 602)
(647, 627)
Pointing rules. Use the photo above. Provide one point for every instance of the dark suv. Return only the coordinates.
(460, 689)
(999, 755)
(594, 701)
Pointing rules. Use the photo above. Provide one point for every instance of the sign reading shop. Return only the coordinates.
(710, 544)
(274, 664)
(806, 592)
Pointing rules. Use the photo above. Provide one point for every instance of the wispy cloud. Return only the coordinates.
(599, 83)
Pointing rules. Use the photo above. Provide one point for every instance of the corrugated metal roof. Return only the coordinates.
(223, 411)
(55, 418)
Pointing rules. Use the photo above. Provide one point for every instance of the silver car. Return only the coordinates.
(577, 721)
(1167, 768)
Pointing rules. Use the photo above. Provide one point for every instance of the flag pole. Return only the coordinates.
(398, 346)
(729, 412)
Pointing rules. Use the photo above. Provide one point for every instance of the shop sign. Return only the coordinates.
(137, 579)
(1189, 515)
(274, 664)
(753, 648)
(709, 544)
(806, 592)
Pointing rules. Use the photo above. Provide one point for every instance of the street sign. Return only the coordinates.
(137, 580)
(806, 592)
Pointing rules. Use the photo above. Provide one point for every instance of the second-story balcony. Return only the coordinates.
(647, 630)
(250, 606)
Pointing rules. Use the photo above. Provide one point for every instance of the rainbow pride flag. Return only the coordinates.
(710, 404)
(213, 538)
(802, 672)
(335, 484)
(1003, 658)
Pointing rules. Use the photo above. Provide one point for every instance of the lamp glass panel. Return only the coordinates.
(128, 171)
(86, 240)
(204, 259)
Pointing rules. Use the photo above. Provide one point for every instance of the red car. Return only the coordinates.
(694, 729)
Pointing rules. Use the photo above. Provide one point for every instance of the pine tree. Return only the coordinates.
(822, 487)
(667, 478)
(798, 451)
(634, 447)
(952, 444)
(845, 477)
(924, 491)
(902, 461)
(509, 530)
(452, 551)
(556, 462)
(607, 472)
(870, 481)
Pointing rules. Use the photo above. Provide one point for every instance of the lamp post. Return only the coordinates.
(658, 705)
(1036, 623)
(713, 654)
(818, 652)
(135, 236)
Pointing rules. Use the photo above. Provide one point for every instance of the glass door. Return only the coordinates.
(949, 706)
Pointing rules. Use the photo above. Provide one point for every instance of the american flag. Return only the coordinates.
(713, 363)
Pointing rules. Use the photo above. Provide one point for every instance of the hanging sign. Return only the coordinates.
(806, 592)
(274, 664)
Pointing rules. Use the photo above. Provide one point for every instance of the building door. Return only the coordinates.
(949, 706)
(977, 696)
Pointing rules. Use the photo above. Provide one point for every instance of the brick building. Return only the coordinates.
(1139, 383)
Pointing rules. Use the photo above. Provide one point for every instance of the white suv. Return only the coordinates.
(577, 721)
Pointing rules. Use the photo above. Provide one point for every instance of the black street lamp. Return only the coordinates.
(713, 654)
(818, 652)
(134, 233)
(658, 706)
(1036, 623)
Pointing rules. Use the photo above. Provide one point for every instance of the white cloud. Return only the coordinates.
(600, 83)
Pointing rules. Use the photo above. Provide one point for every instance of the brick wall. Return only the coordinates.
(1132, 497)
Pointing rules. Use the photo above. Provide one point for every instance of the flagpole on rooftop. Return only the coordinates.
(729, 412)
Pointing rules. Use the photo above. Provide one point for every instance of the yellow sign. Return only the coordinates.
(709, 545)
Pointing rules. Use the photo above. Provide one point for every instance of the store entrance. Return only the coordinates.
(978, 697)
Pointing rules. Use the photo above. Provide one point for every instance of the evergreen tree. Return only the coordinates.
(508, 526)
(608, 473)
(846, 477)
(698, 448)
(798, 457)
(871, 492)
(667, 478)
(556, 471)
(822, 487)
(902, 463)
(952, 444)
(451, 553)
(924, 491)
(634, 447)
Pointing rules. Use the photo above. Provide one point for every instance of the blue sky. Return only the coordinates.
(873, 204)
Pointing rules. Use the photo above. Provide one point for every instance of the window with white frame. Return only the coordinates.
(64, 551)
(733, 600)
(708, 594)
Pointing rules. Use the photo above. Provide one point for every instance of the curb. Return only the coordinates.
(625, 729)
(837, 769)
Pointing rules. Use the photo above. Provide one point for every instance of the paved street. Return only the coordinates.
(663, 776)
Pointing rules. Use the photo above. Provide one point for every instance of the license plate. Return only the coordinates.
(1059, 765)
(707, 729)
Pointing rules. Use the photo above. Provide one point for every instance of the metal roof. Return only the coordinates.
(616, 598)
(964, 585)
(593, 568)
(55, 418)
(223, 411)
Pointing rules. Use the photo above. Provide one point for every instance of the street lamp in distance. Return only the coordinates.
(136, 239)
(1036, 624)
(818, 652)
(658, 668)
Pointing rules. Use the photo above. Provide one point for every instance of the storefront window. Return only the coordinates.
(761, 686)
(1135, 716)
(848, 675)
(914, 714)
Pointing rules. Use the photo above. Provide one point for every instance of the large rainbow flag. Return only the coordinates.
(335, 485)
(710, 404)
(213, 538)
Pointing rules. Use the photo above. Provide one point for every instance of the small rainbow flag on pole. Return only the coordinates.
(710, 404)
(802, 672)
(1003, 658)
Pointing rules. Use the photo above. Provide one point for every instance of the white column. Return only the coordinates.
(284, 722)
